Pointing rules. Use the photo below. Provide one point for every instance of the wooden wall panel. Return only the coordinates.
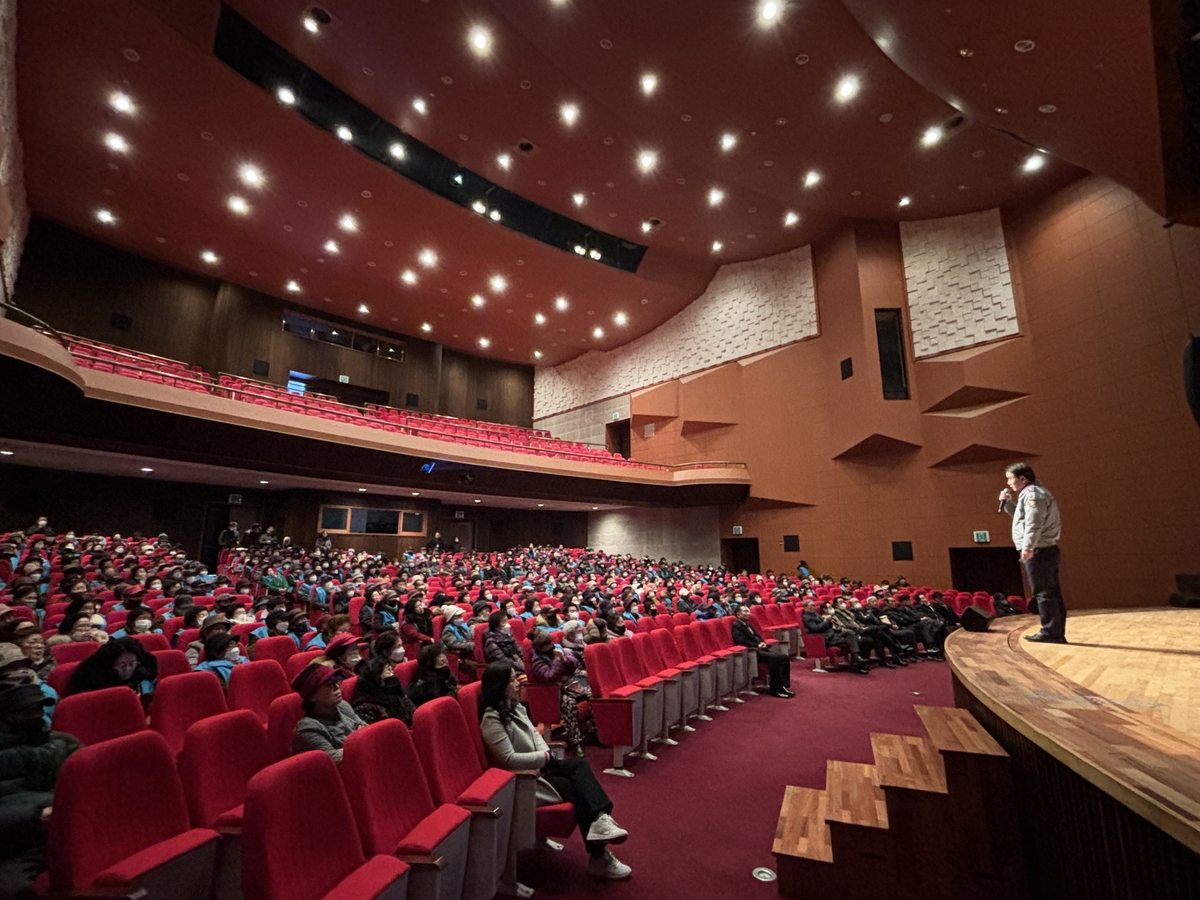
(508, 389)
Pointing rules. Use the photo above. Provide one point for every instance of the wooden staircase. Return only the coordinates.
(933, 818)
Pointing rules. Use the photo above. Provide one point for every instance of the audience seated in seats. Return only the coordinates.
(331, 627)
(457, 639)
(390, 647)
(139, 620)
(902, 642)
(378, 693)
(498, 642)
(596, 631)
(327, 719)
(120, 663)
(210, 625)
(417, 627)
(869, 636)
(387, 613)
(822, 622)
(81, 626)
(553, 665)
(16, 669)
(513, 743)
(344, 653)
(572, 639)
(221, 653)
(927, 626)
(29, 641)
(779, 665)
(433, 677)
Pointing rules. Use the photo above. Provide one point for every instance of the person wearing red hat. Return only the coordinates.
(328, 719)
(343, 653)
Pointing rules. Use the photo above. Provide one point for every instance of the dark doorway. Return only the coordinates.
(740, 553)
(991, 569)
(464, 531)
(616, 437)
(216, 518)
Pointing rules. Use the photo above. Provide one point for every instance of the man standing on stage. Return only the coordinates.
(1036, 528)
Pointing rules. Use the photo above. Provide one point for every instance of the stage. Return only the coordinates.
(1104, 734)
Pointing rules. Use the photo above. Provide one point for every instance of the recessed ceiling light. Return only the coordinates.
(293, 287)
(120, 102)
(847, 88)
(597, 332)
(594, 254)
(312, 26)
(1033, 163)
(397, 150)
(649, 82)
(562, 304)
(539, 318)
(147, 469)
(811, 178)
(715, 196)
(115, 142)
(537, 354)
(498, 283)
(408, 276)
(581, 250)
(479, 206)
(478, 501)
(579, 198)
(621, 319)
(209, 257)
(105, 216)
(344, 133)
(251, 175)
(494, 215)
(480, 40)
(419, 105)
(647, 160)
(484, 343)
(595, 507)
(363, 309)
(427, 258)
(541, 505)
(769, 11)
(6, 453)
(332, 247)
(717, 246)
(569, 113)
(646, 227)
(790, 219)
(239, 205)
(263, 481)
(426, 327)
(286, 96)
(478, 300)
(904, 201)
(362, 490)
(728, 141)
(348, 223)
(504, 161)
(933, 134)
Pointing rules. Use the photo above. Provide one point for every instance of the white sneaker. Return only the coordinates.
(605, 830)
(608, 866)
(516, 889)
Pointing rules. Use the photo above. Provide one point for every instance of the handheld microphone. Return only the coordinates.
(1001, 509)
(1003, 500)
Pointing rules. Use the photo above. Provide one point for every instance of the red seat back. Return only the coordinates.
(688, 641)
(255, 685)
(647, 651)
(282, 717)
(181, 700)
(296, 663)
(97, 716)
(152, 641)
(75, 651)
(645, 625)
(220, 756)
(279, 648)
(60, 678)
(385, 784)
(630, 664)
(468, 699)
(440, 733)
(171, 662)
(681, 618)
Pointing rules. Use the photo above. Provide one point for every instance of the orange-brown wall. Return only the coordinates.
(1098, 410)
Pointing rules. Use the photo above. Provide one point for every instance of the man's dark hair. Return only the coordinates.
(1022, 470)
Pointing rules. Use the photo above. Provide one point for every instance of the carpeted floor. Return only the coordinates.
(703, 816)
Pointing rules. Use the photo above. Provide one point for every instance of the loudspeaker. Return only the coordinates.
(1191, 376)
(976, 618)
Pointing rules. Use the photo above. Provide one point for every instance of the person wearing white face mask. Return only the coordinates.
(389, 646)
(139, 620)
(343, 654)
(221, 653)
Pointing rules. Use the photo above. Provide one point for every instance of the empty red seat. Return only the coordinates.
(279, 648)
(74, 651)
(287, 855)
(171, 662)
(181, 700)
(149, 845)
(152, 641)
(396, 814)
(634, 673)
(60, 677)
(220, 756)
(697, 689)
(97, 716)
(255, 685)
(616, 706)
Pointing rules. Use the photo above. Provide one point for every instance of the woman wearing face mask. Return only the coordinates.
(138, 620)
(379, 695)
(75, 628)
(389, 646)
(552, 665)
(343, 654)
(433, 678)
(498, 642)
(298, 627)
(221, 654)
(119, 663)
(458, 638)
(417, 627)
(548, 619)
(387, 613)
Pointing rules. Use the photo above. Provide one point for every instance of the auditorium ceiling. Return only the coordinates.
(706, 133)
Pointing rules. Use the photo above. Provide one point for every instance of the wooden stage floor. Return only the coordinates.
(1119, 705)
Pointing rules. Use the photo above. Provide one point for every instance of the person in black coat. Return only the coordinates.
(779, 667)
(433, 678)
(823, 624)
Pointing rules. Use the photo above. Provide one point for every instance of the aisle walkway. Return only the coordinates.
(703, 816)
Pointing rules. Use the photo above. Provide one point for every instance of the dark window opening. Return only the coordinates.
(902, 550)
(791, 543)
(847, 367)
(889, 333)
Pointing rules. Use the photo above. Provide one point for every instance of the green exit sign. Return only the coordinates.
(983, 537)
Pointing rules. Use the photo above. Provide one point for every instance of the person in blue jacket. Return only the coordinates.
(221, 653)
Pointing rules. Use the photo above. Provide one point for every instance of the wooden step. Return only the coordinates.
(854, 796)
(953, 730)
(911, 763)
(802, 830)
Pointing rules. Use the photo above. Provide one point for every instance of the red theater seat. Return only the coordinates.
(280, 648)
(282, 717)
(181, 700)
(255, 685)
(97, 716)
(171, 662)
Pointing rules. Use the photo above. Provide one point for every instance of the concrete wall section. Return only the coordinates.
(691, 535)
(586, 424)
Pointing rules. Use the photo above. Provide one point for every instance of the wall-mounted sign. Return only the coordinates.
(737, 529)
(235, 499)
(983, 537)
(459, 514)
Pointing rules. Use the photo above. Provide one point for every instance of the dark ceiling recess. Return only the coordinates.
(260, 60)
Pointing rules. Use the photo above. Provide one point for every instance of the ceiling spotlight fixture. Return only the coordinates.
(1034, 162)
(251, 175)
(646, 227)
(362, 490)
(594, 254)
(597, 332)
(292, 287)
(537, 354)
(397, 150)
(717, 246)
(426, 327)
(239, 205)
(647, 160)
(209, 257)
(481, 40)
(263, 481)
(494, 215)
(478, 501)
(504, 161)
(427, 258)
(479, 206)
(312, 26)
(715, 196)
(332, 247)
(419, 105)
(408, 276)
(580, 249)
(790, 219)
(904, 201)
(933, 134)
(540, 505)
(348, 223)
(569, 113)
(344, 133)
(285, 95)
(105, 216)
(147, 469)
(115, 142)
(416, 493)
(811, 178)
(120, 102)
(6, 453)
(621, 319)
(478, 301)
(579, 198)
(728, 141)
(562, 304)
(649, 82)
(363, 309)
(769, 11)
(847, 89)
(485, 343)
(539, 318)
(498, 283)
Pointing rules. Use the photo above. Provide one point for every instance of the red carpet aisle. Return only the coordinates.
(703, 816)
